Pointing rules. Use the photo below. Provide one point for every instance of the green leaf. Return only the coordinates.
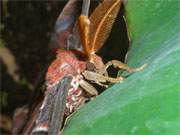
(147, 102)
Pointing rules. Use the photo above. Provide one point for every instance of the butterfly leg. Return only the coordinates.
(88, 87)
(120, 65)
(99, 78)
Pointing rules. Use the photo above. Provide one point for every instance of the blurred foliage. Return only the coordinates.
(1, 43)
(3, 99)
(26, 27)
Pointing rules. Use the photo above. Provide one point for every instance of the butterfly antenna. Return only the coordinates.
(85, 7)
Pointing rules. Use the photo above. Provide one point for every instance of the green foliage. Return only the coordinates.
(147, 102)
(3, 99)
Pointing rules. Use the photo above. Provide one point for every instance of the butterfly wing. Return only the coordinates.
(64, 25)
(59, 106)
(51, 114)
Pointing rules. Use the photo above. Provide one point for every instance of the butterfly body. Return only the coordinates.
(66, 63)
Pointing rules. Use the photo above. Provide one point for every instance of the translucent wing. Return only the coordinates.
(101, 21)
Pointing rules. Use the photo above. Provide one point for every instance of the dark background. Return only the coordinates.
(26, 28)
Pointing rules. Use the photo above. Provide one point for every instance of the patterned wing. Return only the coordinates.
(51, 114)
(64, 25)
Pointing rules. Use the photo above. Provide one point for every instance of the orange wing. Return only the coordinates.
(101, 22)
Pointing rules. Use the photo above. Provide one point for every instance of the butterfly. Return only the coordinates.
(77, 38)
